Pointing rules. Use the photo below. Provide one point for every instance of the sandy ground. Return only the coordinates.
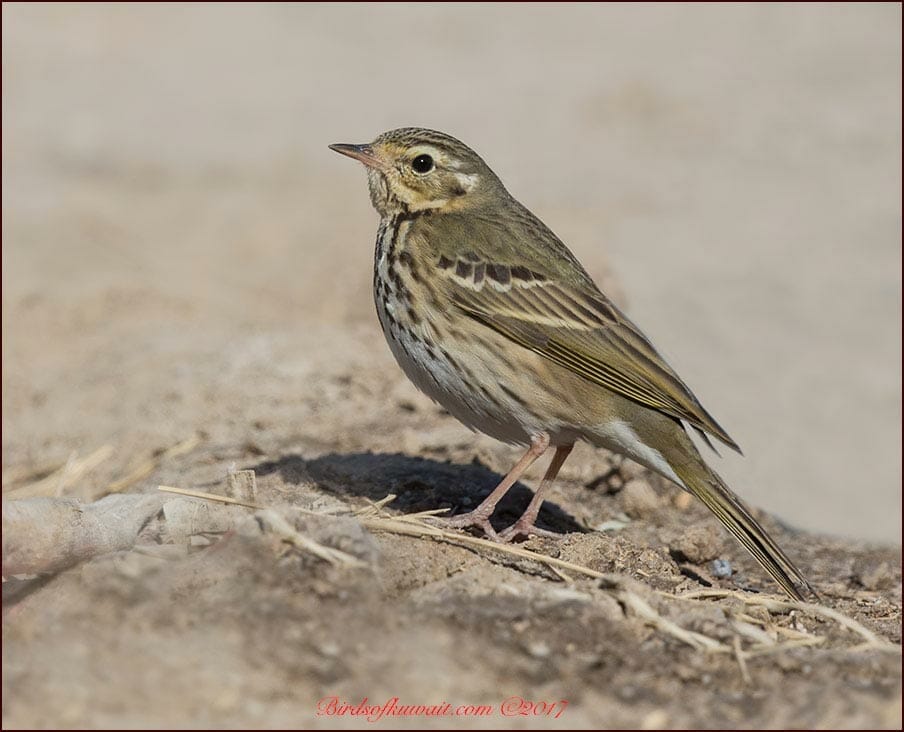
(185, 263)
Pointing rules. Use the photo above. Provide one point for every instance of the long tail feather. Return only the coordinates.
(736, 517)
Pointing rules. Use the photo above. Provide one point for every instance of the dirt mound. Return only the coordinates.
(243, 617)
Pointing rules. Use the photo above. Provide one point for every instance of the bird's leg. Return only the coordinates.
(480, 516)
(525, 524)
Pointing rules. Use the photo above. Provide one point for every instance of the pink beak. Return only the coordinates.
(362, 153)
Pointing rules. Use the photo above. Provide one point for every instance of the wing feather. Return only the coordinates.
(532, 290)
(586, 334)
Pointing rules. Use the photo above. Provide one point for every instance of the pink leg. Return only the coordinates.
(480, 516)
(525, 524)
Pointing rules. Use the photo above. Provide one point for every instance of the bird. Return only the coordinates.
(489, 313)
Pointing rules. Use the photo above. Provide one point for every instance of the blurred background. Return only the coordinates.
(168, 192)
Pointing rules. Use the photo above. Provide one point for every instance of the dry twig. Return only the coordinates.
(373, 518)
(56, 482)
(148, 464)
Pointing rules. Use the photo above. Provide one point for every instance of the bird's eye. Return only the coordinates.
(422, 164)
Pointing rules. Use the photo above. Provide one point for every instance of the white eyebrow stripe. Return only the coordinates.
(467, 180)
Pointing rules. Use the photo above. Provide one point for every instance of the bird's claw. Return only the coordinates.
(525, 528)
(472, 518)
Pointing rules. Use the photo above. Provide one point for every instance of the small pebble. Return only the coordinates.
(538, 649)
(639, 499)
(612, 525)
(698, 544)
(721, 568)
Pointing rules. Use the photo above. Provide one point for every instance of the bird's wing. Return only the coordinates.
(557, 312)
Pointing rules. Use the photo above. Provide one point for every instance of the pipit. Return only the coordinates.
(491, 315)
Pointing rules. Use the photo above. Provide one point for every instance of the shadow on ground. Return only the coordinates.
(420, 484)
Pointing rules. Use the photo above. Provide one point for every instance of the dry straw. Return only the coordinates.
(764, 636)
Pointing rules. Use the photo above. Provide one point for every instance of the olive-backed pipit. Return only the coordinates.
(491, 315)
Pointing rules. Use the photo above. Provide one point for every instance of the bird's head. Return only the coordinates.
(413, 169)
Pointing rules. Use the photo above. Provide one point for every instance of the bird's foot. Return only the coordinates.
(481, 520)
(525, 528)
(476, 518)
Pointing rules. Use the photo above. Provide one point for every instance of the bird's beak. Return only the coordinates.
(362, 153)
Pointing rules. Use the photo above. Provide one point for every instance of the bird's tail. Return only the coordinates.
(728, 508)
